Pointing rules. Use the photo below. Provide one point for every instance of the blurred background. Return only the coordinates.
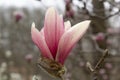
(18, 54)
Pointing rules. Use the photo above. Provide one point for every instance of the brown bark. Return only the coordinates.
(98, 22)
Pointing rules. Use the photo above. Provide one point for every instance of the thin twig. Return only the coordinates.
(90, 66)
(94, 70)
(105, 54)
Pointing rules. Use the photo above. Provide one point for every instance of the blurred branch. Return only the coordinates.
(105, 54)
(92, 14)
(95, 43)
(98, 65)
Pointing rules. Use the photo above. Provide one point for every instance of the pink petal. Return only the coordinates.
(53, 30)
(39, 40)
(69, 39)
(67, 25)
(42, 31)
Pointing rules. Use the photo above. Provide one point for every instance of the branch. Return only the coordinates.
(92, 14)
(105, 54)
(94, 70)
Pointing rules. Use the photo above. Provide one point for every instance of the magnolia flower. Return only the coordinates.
(56, 39)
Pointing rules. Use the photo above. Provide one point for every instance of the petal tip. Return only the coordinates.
(68, 22)
(33, 25)
(85, 24)
(61, 15)
(51, 9)
(88, 21)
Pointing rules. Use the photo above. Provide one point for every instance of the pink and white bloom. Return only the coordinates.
(56, 39)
